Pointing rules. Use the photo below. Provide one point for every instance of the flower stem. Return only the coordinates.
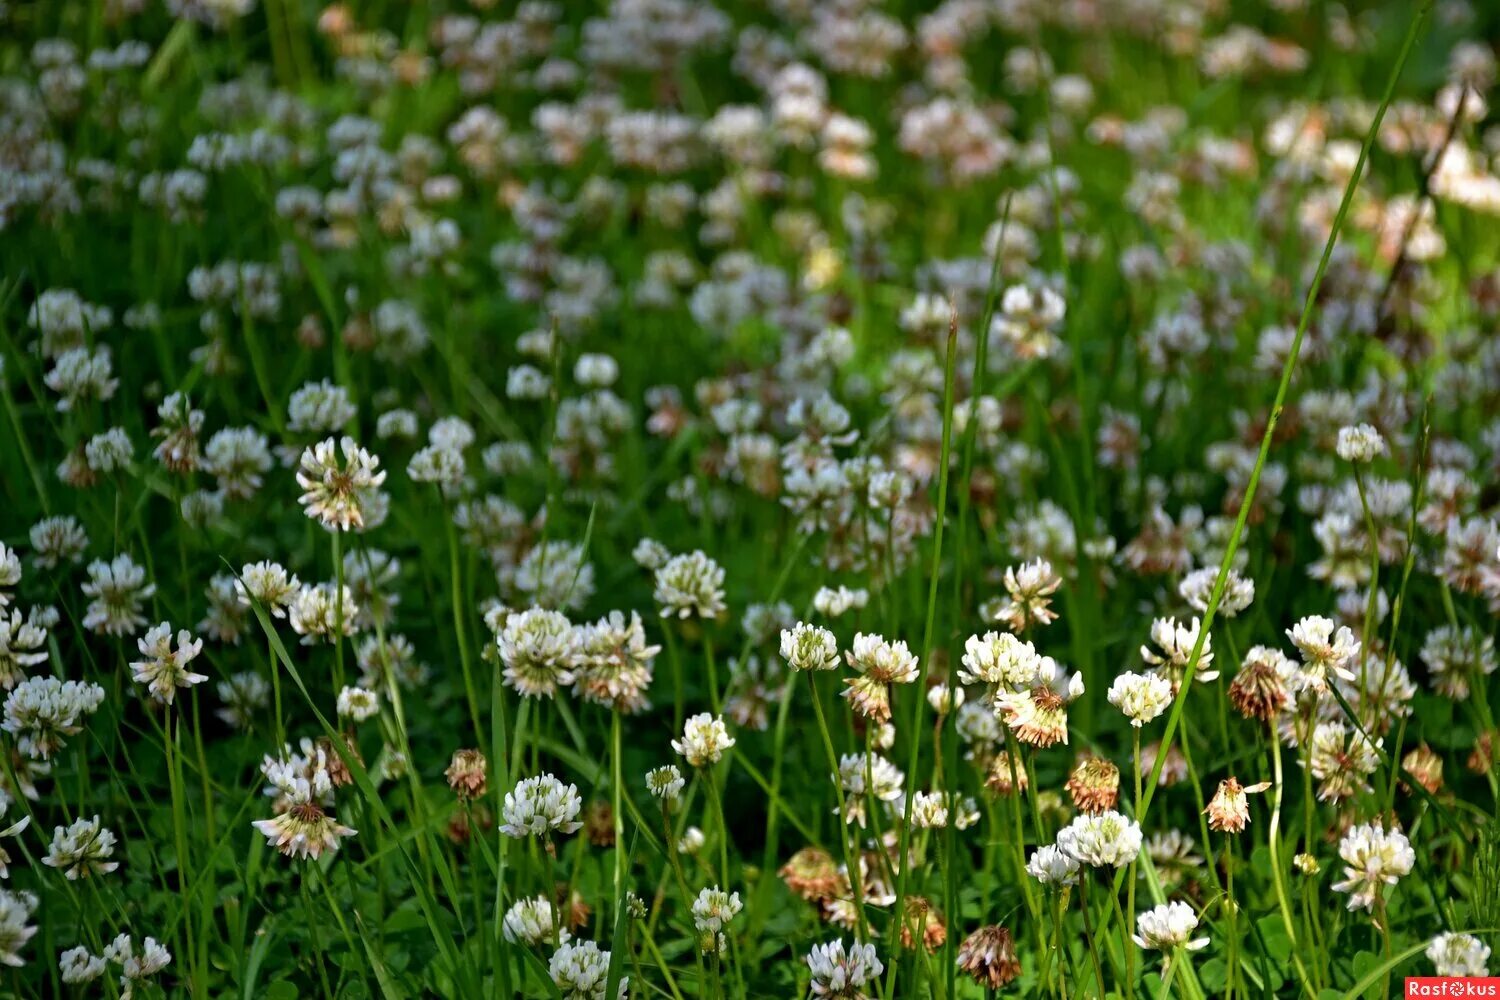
(850, 864)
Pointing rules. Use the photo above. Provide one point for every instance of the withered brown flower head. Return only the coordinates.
(575, 912)
(1173, 771)
(812, 874)
(468, 774)
(1038, 717)
(1423, 763)
(999, 779)
(1029, 589)
(925, 919)
(462, 822)
(338, 771)
(1094, 785)
(1260, 689)
(599, 824)
(988, 956)
(869, 697)
(1229, 812)
(1482, 758)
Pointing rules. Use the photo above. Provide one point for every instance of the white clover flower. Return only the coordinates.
(1168, 926)
(665, 782)
(1027, 320)
(1341, 760)
(929, 810)
(304, 828)
(451, 432)
(10, 572)
(82, 375)
(243, 693)
(319, 408)
(1360, 443)
(650, 554)
(151, 959)
(81, 849)
(1029, 589)
(889, 490)
(1325, 648)
(615, 662)
(691, 841)
(16, 909)
(1373, 858)
(832, 602)
(338, 493)
(1458, 955)
(809, 647)
(270, 584)
(539, 650)
(526, 382)
(945, 699)
(1039, 715)
(165, 669)
(581, 972)
(880, 664)
(316, 614)
(1001, 659)
(397, 423)
(689, 585)
(1176, 642)
(540, 806)
(106, 452)
(41, 711)
(358, 703)
(978, 724)
(1103, 839)
(55, 540)
(239, 458)
(556, 574)
(1458, 659)
(889, 662)
(840, 974)
(64, 318)
(704, 740)
(714, 909)
(77, 966)
(1051, 865)
(1141, 697)
(867, 775)
(1198, 586)
(595, 371)
(437, 464)
(177, 450)
(530, 922)
(116, 591)
(23, 644)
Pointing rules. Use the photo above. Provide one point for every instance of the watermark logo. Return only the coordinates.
(1452, 986)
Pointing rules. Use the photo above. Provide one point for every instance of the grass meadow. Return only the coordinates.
(838, 499)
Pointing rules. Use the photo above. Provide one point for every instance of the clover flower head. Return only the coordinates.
(336, 492)
(541, 806)
(164, 669)
(840, 973)
(1373, 857)
(704, 740)
(690, 585)
(1106, 839)
(809, 647)
(1141, 697)
(1167, 927)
